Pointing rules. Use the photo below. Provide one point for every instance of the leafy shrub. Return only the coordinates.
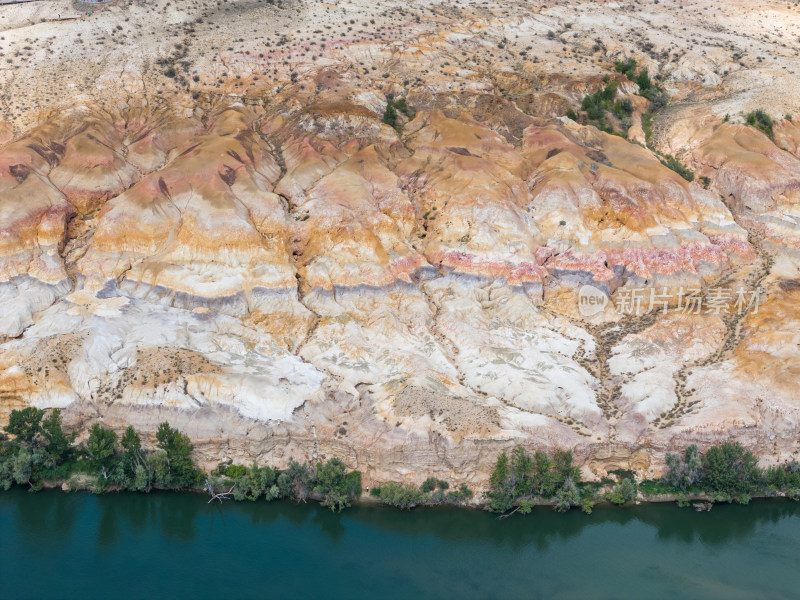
(647, 127)
(431, 483)
(761, 121)
(622, 474)
(624, 492)
(643, 81)
(595, 105)
(626, 67)
(390, 115)
(400, 495)
(462, 495)
(232, 471)
(432, 492)
(401, 105)
(393, 106)
(676, 165)
(683, 473)
(658, 99)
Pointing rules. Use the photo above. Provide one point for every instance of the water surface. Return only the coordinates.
(166, 545)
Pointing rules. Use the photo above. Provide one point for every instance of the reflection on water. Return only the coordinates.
(723, 525)
(176, 516)
(185, 545)
(54, 513)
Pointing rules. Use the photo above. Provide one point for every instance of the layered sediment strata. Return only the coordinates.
(247, 249)
(620, 215)
(758, 179)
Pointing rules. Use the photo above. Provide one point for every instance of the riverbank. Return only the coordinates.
(39, 453)
(367, 500)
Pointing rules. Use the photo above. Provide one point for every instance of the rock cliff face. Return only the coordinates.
(236, 242)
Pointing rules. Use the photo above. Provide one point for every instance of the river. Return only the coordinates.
(169, 545)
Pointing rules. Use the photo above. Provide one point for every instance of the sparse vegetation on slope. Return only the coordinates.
(673, 163)
(597, 105)
(761, 121)
(395, 107)
(603, 102)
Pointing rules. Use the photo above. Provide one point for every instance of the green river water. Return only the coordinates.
(167, 545)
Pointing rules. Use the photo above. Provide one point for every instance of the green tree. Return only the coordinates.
(59, 444)
(22, 468)
(25, 424)
(142, 479)
(521, 467)
(526, 506)
(158, 469)
(567, 496)
(263, 481)
(626, 67)
(6, 473)
(501, 488)
(731, 470)
(543, 479)
(295, 482)
(335, 485)
(178, 449)
(131, 442)
(564, 469)
(254, 483)
(610, 91)
(132, 455)
(686, 472)
(101, 447)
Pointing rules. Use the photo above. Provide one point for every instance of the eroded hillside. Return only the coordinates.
(206, 218)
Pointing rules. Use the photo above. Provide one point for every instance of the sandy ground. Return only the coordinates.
(723, 57)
